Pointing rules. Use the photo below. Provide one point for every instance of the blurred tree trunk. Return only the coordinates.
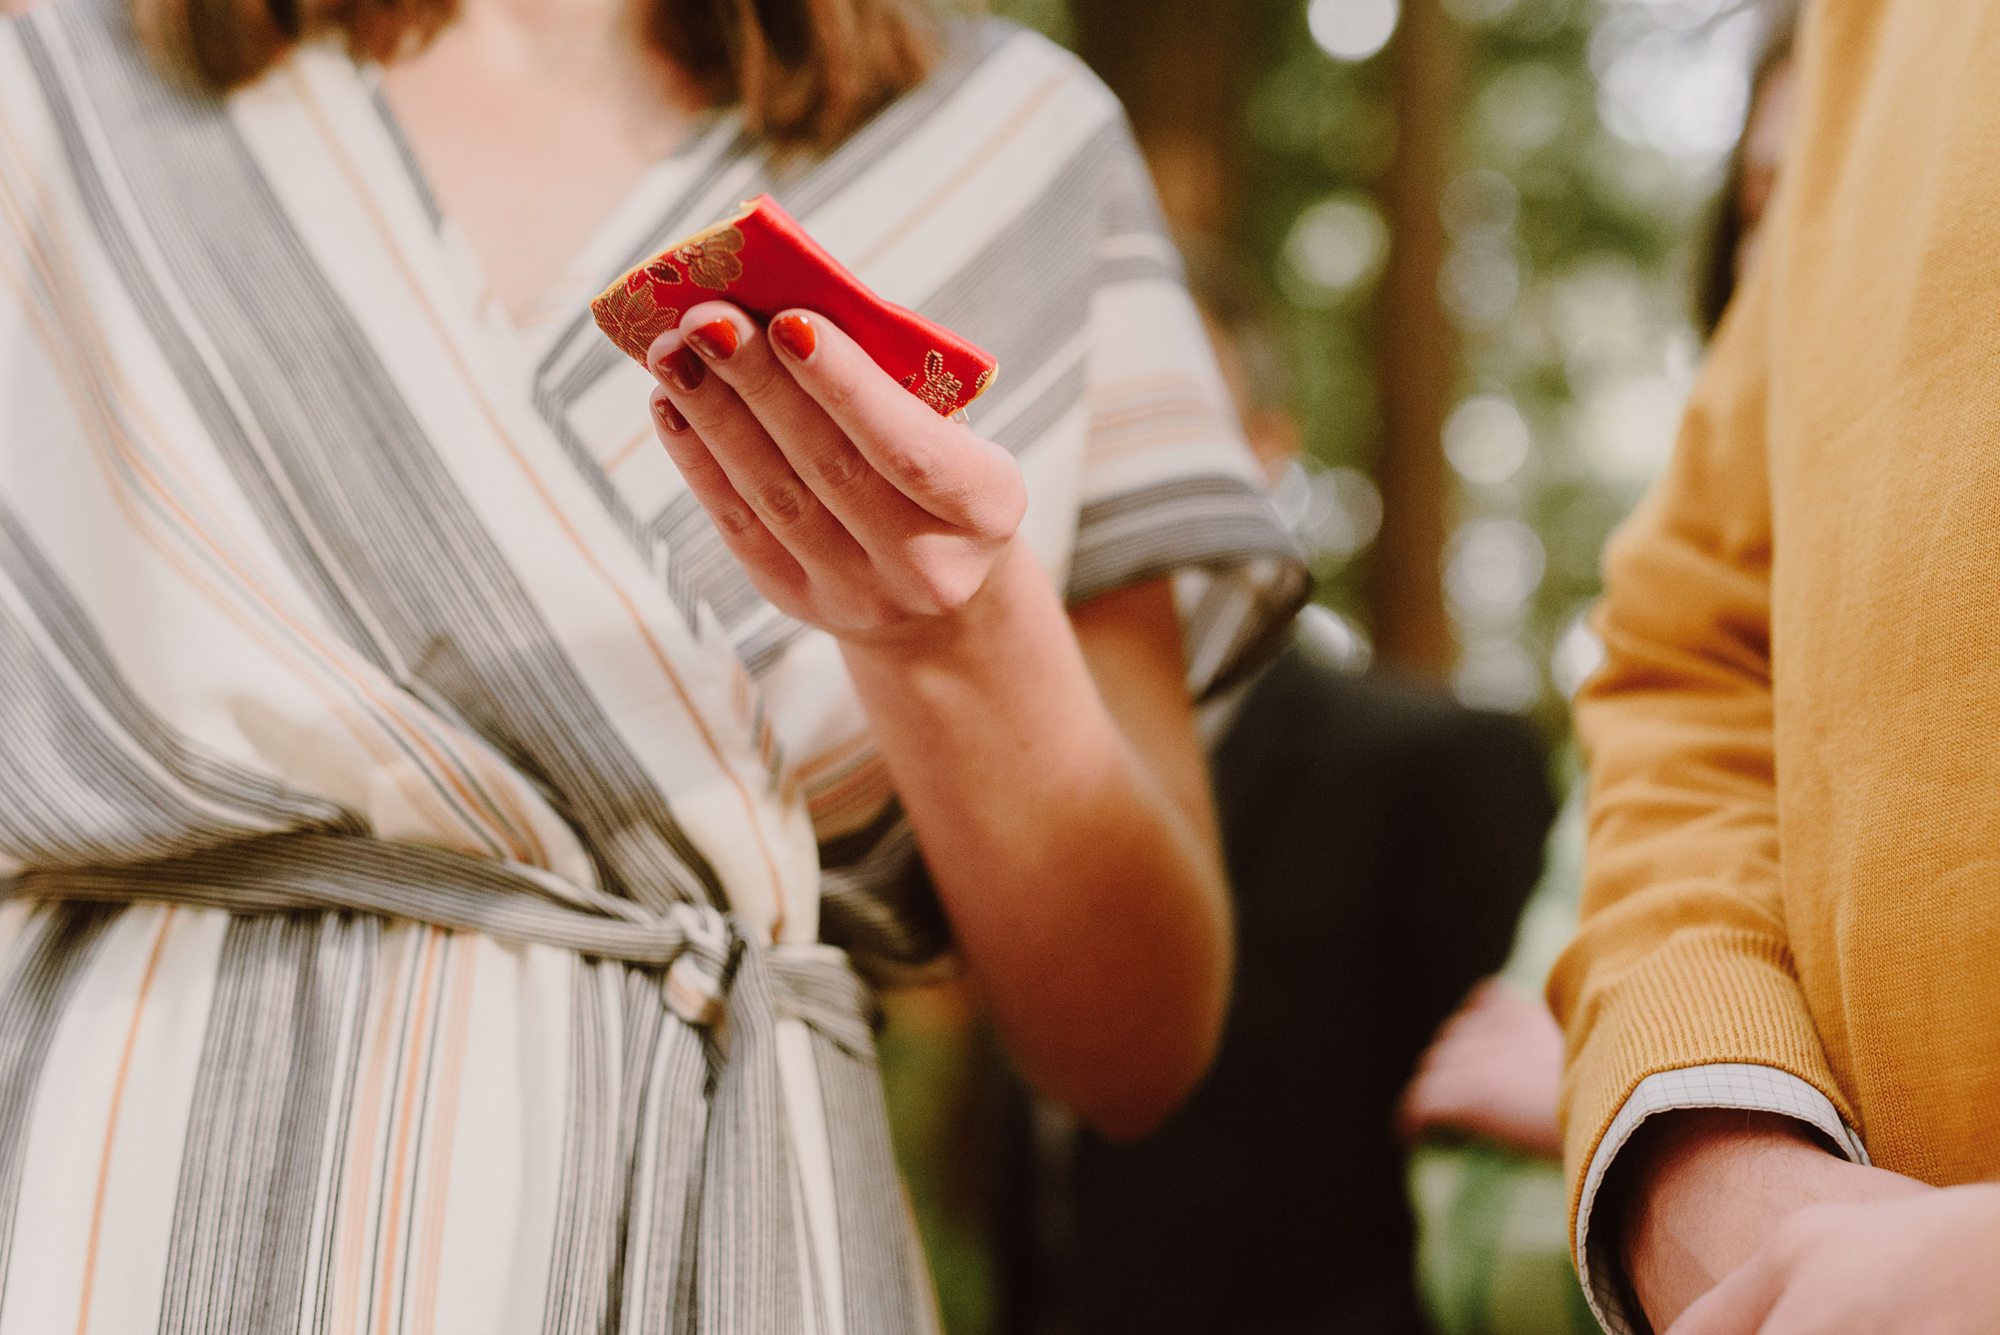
(1181, 67)
(1418, 356)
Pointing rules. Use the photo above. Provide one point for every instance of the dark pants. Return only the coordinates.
(1381, 840)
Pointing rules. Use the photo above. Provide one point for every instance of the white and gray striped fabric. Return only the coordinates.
(439, 891)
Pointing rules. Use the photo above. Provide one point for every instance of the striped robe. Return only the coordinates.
(439, 890)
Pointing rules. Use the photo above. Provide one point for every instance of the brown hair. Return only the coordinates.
(805, 71)
(1716, 271)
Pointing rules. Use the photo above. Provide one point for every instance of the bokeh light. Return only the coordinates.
(1627, 427)
(1335, 513)
(1492, 568)
(1352, 29)
(1497, 674)
(1579, 652)
(1480, 204)
(1674, 74)
(1486, 439)
(1481, 282)
(1335, 249)
(1524, 107)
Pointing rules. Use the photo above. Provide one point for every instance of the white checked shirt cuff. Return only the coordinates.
(1718, 1085)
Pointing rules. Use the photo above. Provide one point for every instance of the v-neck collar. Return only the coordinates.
(509, 431)
(548, 372)
(606, 248)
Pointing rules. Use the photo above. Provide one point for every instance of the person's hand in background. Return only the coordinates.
(1493, 1071)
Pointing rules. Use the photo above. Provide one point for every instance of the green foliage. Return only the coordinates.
(1573, 236)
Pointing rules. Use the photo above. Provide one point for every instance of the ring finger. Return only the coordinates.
(750, 459)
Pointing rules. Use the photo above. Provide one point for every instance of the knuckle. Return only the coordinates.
(1003, 516)
(944, 590)
(916, 467)
(755, 379)
(836, 395)
(734, 519)
(839, 468)
(785, 501)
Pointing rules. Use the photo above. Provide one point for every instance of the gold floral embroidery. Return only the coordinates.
(632, 317)
(979, 385)
(712, 259)
(938, 387)
(658, 274)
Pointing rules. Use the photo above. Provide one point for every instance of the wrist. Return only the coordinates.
(1704, 1189)
(1705, 1153)
(964, 635)
(1697, 1193)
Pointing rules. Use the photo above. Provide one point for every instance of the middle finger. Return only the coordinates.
(818, 451)
(749, 457)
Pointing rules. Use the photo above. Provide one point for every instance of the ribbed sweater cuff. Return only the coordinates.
(1703, 996)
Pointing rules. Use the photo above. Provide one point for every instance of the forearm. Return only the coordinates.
(1704, 1190)
(1089, 904)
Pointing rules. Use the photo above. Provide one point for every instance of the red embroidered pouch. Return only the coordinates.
(763, 261)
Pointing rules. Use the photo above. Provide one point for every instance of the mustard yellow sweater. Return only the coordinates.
(1795, 744)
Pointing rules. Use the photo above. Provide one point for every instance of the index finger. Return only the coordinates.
(948, 470)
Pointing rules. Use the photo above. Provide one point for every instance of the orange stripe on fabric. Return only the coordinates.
(111, 1118)
(966, 169)
(464, 960)
(1127, 413)
(392, 1199)
(107, 366)
(1187, 435)
(628, 449)
(853, 802)
(88, 406)
(838, 754)
(450, 346)
(353, 1200)
(94, 404)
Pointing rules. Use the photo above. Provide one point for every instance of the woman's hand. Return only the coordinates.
(1071, 845)
(1922, 1263)
(852, 505)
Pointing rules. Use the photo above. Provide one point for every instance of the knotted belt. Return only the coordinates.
(740, 1236)
(703, 951)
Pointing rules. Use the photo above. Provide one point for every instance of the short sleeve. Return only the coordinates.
(1169, 487)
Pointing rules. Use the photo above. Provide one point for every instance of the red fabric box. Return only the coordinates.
(764, 262)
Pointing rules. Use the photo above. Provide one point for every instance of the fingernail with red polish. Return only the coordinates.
(794, 333)
(715, 340)
(670, 416)
(683, 370)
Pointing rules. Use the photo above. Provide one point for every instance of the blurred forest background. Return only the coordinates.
(1468, 225)
(1451, 242)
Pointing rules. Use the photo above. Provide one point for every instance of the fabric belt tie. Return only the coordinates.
(704, 952)
(813, 983)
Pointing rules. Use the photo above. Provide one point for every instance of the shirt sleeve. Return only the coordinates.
(1169, 488)
(1735, 1085)
(1682, 959)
